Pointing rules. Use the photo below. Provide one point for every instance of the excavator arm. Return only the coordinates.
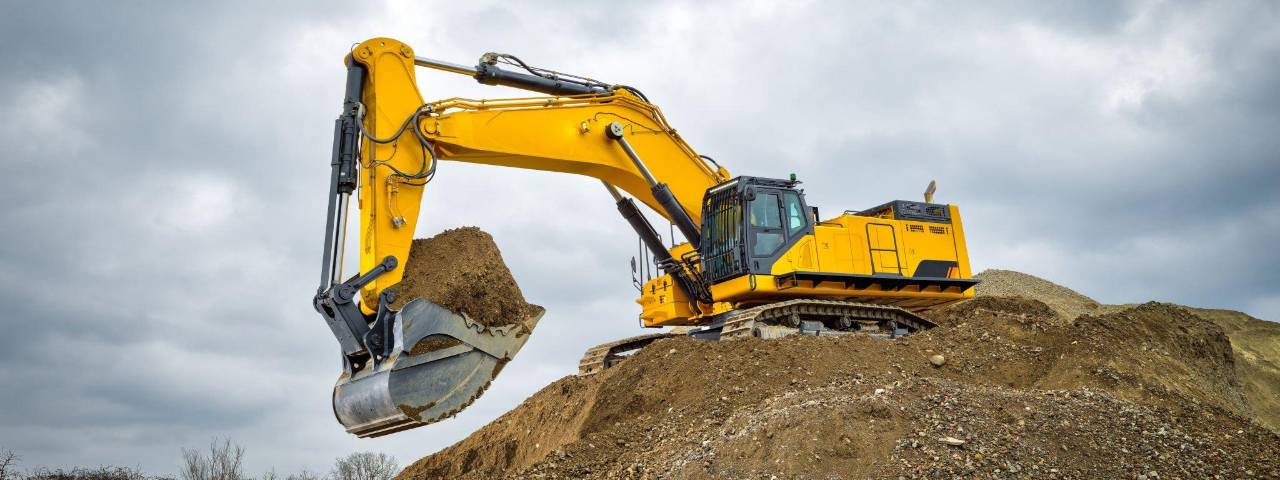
(387, 145)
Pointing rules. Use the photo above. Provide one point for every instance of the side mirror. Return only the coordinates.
(633, 264)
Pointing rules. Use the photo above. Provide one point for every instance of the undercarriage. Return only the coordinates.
(775, 320)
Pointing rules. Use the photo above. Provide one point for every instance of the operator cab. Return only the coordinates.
(748, 223)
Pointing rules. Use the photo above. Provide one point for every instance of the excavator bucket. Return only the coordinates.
(441, 362)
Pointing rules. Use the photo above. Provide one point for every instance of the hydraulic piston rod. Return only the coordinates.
(445, 66)
(627, 207)
(661, 192)
(490, 74)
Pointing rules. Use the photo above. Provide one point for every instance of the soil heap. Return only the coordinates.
(1147, 391)
(462, 270)
(1255, 344)
(1007, 283)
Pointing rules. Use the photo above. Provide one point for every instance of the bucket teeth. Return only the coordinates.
(441, 363)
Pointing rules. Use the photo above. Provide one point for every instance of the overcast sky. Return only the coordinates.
(165, 167)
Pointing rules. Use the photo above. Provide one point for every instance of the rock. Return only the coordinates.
(938, 360)
(953, 441)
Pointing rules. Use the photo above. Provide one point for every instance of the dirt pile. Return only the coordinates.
(1256, 347)
(1007, 283)
(1149, 391)
(462, 270)
(1255, 344)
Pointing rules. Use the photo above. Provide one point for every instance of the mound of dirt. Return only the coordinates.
(1153, 346)
(524, 436)
(1147, 389)
(1007, 283)
(462, 270)
(1256, 347)
(1255, 344)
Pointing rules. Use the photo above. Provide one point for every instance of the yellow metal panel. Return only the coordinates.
(566, 134)
(858, 246)
(800, 257)
(962, 250)
(388, 205)
(833, 250)
(664, 305)
(927, 241)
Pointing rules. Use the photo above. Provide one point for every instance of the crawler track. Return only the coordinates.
(803, 316)
(605, 355)
(836, 316)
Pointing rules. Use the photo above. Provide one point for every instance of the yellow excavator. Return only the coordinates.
(757, 260)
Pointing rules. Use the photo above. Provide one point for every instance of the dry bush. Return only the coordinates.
(303, 475)
(80, 473)
(365, 466)
(8, 464)
(222, 463)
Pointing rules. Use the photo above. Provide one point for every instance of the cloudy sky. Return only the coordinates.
(165, 169)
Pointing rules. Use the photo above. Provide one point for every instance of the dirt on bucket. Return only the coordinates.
(462, 270)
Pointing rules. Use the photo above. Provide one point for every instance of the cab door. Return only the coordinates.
(766, 231)
(777, 224)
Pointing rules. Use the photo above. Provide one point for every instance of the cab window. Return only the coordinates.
(795, 213)
(764, 211)
(766, 223)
